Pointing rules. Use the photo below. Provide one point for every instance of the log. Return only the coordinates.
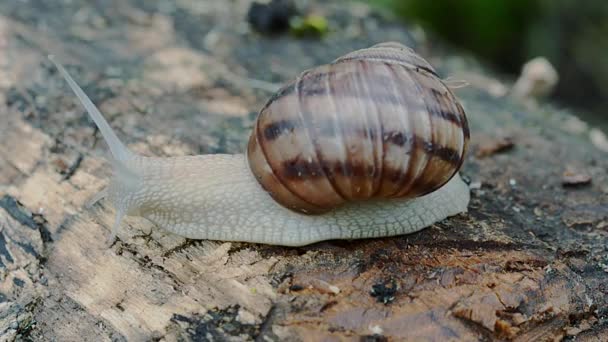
(527, 262)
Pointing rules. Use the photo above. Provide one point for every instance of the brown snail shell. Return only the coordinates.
(375, 123)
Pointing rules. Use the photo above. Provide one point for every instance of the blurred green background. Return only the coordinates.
(571, 34)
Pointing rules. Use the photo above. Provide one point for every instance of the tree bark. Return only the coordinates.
(527, 262)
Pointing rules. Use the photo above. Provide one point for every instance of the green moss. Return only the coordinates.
(309, 26)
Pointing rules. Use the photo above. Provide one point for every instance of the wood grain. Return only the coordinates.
(528, 262)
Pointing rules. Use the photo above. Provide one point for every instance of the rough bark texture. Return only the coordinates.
(528, 262)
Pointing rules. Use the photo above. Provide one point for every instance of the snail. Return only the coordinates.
(367, 146)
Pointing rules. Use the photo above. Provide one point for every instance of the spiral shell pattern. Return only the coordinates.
(375, 123)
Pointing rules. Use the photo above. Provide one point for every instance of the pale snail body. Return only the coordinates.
(218, 197)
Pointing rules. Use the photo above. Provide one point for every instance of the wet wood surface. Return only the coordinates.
(528, 261)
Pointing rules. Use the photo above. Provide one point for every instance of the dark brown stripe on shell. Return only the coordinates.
(447, 154)
(380, 97)
(298, 168)
(445, 102)
(275, 129)
(301, 169)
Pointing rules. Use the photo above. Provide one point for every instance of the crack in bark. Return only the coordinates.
(72, 168)
(266, 325)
